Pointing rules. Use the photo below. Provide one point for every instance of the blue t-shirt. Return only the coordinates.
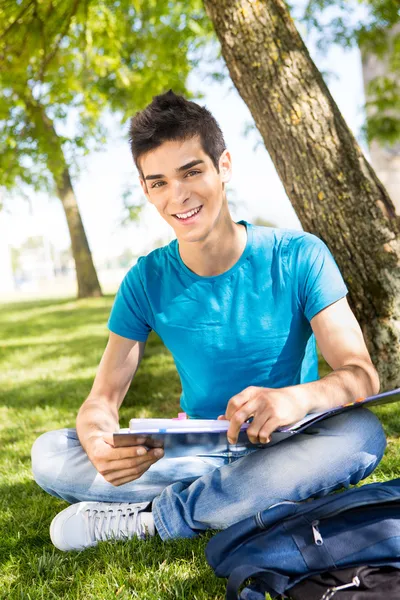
(247, 326)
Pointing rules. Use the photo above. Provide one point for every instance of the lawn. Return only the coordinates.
(49, 351)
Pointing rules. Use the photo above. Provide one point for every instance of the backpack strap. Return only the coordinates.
(240, 574)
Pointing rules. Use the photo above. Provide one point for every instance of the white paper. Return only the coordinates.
(180, 426)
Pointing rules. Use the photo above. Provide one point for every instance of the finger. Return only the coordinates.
(109, 439)
(221, 418)
(121, 453)
(130, 463)
(240, 417)
(103, 458)
(131, 474)
(127, 479)
(128, 474)
(135, 452)
(256, 425)
(156, 453)
(122, 481)
(261, 428)
(236, 402)
(264, 435)
(143, 454)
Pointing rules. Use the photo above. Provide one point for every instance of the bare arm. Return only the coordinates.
(341, 342)
(97, 418)
(99, 413)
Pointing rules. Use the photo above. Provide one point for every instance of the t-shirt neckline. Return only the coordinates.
(231, 270)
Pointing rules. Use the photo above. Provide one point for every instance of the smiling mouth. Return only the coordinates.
(190, 214)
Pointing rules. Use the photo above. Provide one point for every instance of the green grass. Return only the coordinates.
(48, 357)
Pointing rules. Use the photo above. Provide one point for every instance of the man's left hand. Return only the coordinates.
(270, 409)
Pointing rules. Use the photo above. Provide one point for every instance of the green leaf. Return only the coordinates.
(66, 64)
(373, 25)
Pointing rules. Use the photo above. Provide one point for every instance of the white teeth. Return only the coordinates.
(188, 214)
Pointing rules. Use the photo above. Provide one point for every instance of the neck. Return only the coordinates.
(218, 252)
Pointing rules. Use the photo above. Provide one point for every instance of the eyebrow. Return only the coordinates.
(188, 165)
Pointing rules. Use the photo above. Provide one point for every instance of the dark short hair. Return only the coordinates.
(171, 117)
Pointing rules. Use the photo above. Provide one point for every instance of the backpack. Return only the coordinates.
(291, 541)
(356, 583)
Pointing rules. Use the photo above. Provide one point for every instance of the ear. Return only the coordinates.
(144, 188)
(225, 166)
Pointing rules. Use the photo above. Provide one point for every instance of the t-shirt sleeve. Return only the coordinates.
(127, 317)
(319, 280)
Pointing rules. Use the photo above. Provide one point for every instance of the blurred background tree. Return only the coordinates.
(65, 64)
(374, 26)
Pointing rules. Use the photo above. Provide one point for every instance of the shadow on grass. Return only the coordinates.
(53, 370)
(84, 351)
(150, 391)
(24, 306)
(55, 323)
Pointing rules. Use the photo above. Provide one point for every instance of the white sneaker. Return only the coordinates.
(85, 524)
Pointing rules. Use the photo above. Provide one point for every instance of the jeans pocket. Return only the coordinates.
(235, 454)
(217, 458)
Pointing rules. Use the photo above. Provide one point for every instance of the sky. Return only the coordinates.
(255, 186)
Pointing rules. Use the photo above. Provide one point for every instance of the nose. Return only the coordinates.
(180, 194)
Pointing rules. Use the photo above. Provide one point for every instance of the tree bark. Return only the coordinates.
(87, 280)
(384, 158)
(333, 189)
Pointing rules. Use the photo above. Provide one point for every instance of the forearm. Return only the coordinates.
(342, 386)
(96, 415)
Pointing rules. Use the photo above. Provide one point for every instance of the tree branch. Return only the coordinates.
(47, 59)
(21, 14)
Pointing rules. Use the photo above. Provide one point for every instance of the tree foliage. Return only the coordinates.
(71, 62)
(366, 23)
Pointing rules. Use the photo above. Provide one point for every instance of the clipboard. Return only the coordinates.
(186, 433)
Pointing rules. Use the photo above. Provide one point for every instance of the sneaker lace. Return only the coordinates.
(119, 522)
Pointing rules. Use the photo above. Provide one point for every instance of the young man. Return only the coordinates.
(239, 307)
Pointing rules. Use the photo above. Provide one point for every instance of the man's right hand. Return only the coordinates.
(120, 465)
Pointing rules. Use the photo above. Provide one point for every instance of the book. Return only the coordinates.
(170, 433)
(186, 433)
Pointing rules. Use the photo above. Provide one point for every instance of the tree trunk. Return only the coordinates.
(384, 158)
(333, 189)
(88, 283)
(87, 280)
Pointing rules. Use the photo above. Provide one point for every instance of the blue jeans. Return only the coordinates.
(206, 490)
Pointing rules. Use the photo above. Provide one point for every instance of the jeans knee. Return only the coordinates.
(44, 452)
(373, 432)
(368, 442)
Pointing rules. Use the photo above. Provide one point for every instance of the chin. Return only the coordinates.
(190, 234)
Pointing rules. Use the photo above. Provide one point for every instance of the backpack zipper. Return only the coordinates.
(259, 521)
(258, 517)
(348, 507)
(330, 592)
(316, 533)
(352, 506)
(318, 539)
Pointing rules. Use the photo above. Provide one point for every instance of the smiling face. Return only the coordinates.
(180, 179)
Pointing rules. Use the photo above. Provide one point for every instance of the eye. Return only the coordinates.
(157, 184)
(193, 172)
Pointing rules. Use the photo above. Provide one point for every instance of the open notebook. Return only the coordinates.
(169, 433)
